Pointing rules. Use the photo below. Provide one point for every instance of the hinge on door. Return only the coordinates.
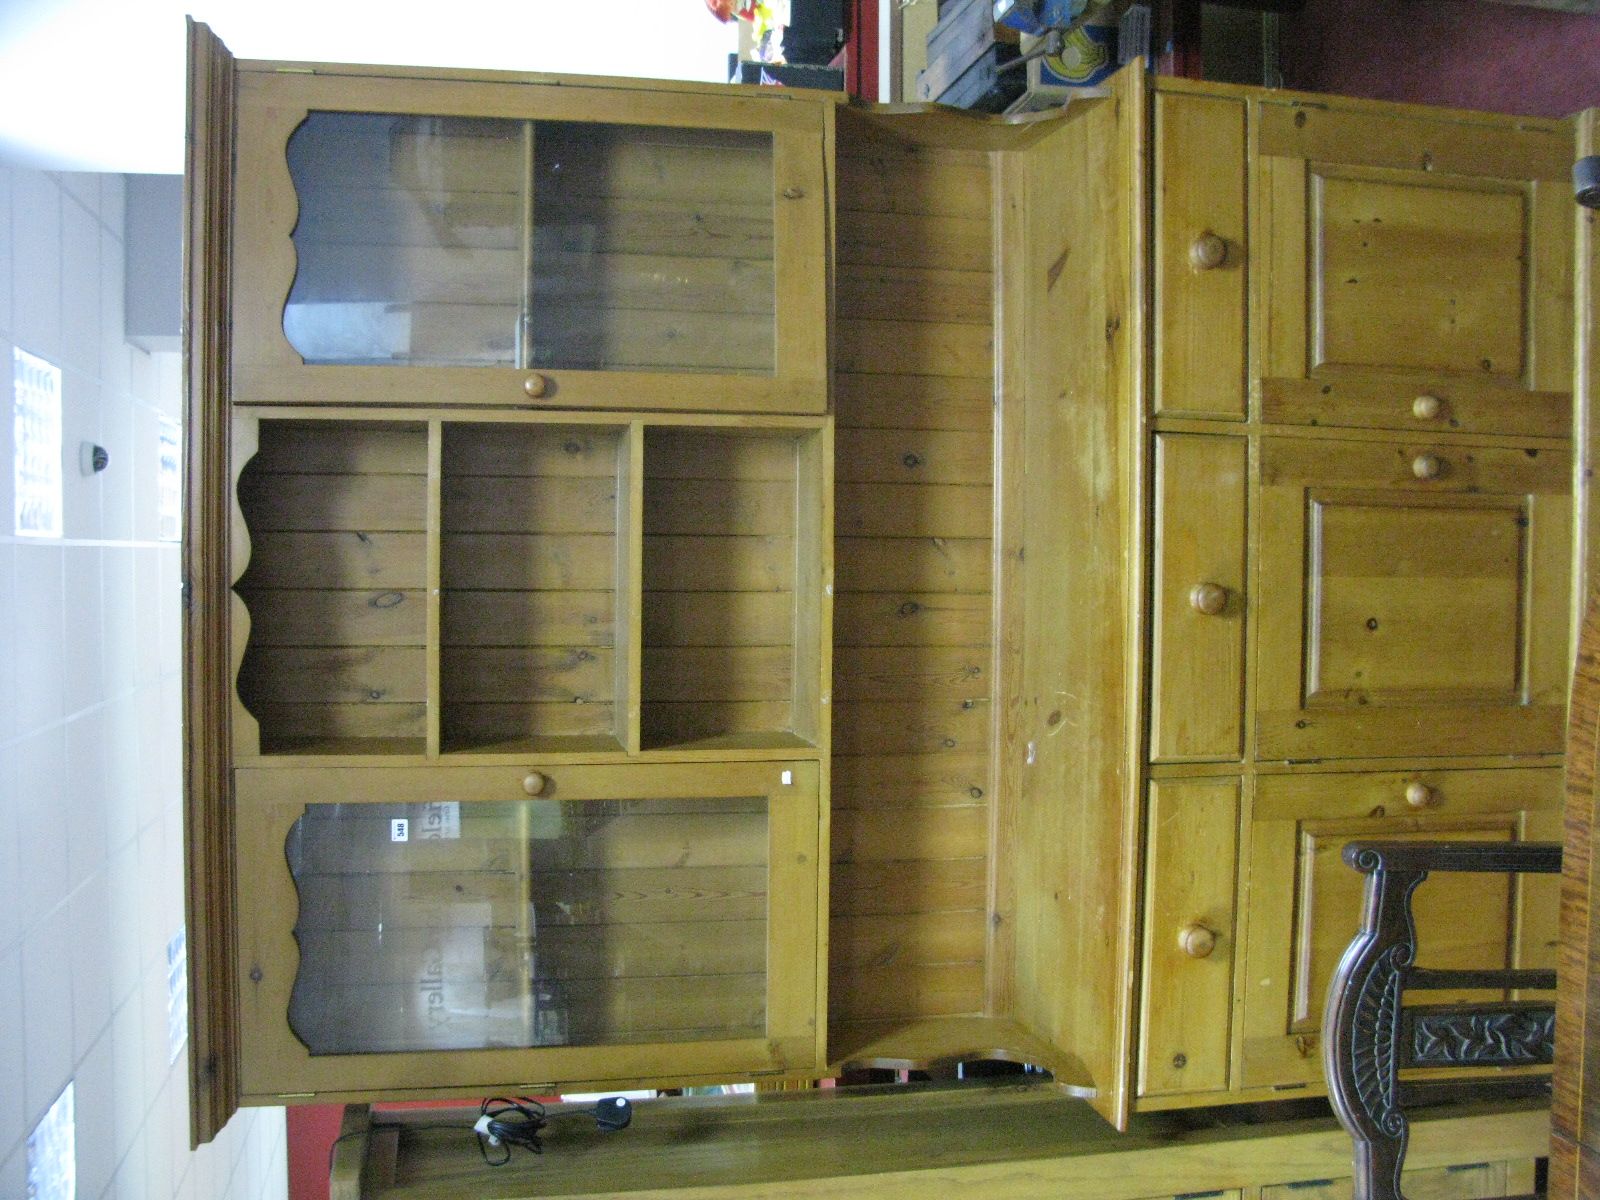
(186, 594)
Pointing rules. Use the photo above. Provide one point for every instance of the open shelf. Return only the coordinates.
(517, 585)
(336, 586)
(728, 542)
(530, 565)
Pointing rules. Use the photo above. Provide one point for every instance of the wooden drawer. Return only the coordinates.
(1305, 903)
(1469, 1181)
(1419, 598)
(1200, 256)
(1187, 979)
(1197, 627)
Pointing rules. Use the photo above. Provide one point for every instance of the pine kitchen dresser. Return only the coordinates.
(692, 584)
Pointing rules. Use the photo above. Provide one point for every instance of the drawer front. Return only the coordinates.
(1200, 256)
(1198, 620)
(1187, 986)
(1305, 902)
(1419, 599)
(1466, 1182)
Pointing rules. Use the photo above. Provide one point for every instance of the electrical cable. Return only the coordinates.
(504, 1122)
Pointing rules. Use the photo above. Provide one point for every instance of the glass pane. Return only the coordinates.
(536, 923)
(653, 249)
(409, 239)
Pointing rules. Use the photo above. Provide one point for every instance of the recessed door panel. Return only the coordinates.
(1414, 275)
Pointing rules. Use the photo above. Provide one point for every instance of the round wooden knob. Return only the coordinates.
(1208, 598)
(536, 385)
(1426, 466)
(533, 783)
(1207, 252)
(1418, 795)
(1196, 940)
(1426, 408)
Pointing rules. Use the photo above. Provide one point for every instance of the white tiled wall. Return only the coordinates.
(91, 845)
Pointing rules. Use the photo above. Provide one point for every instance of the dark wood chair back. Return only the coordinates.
(1370, 1034)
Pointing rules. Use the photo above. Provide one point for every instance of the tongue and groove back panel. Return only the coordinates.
(913, 615)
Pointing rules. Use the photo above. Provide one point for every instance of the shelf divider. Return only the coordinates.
(628, 625)
(434, 636)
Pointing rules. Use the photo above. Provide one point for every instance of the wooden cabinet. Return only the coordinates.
(446, 241)
(1204, 473)
(486, 927)
(511, 581)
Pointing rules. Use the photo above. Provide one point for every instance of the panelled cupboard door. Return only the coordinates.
(1413, 272)
(414, 929)
(1419, 599)
(1305, 903)
(428, 242)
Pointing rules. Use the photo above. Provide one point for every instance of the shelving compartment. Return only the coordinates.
(732, 603)
(534, 553)
(335, 586)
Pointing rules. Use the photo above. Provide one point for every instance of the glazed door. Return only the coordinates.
(415, 930)
(1413, 273)
(1420, 599)
(1306, 903)
(430, 242)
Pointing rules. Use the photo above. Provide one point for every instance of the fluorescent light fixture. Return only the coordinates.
(36, 443)
(52, 1152)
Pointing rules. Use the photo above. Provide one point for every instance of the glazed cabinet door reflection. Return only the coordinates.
(1305, 902)
(1417, 274)
(407, 929)
(606, 253)
(1419, 599)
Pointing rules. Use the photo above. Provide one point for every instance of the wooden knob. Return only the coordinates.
(1426, 408)
(1418, 795)
(536, 385)
(533, 783)
(1207, 252)
(1208, 598)
(1196, 940)
(1426, 466)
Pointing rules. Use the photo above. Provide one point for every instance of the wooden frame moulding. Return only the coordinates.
(207, 694)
